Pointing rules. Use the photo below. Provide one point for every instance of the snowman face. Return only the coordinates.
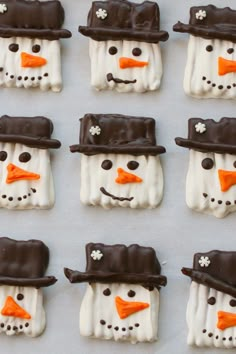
(21, 310)
(121, 180)
(26, 62)
(210, 69)
(211, 317)
(25, 177)
(104, 314)
(125, 65)
(211, 183)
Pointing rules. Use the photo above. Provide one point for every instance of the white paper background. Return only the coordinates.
(172, 229)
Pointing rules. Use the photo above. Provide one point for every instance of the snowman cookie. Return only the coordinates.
(22, 268)
(29, 41)
(122, 299)
(211, 177)
(211, 309)
(124, 45)
(25, 170)
(211, 63)
(120, 164)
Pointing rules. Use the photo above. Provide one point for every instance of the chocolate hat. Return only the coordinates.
(119, 264)
(121, 19)
(210, 22)
(208, 135)
(116, 133)
(215, 269)
(31, 131)
(34, 19)
(24, 263)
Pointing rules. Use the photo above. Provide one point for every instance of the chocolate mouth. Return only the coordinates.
(13, 328)
(218, 201)
(19, 199)
(26, 78)
(220, 87)
(121, 199)
(119, 81)
(210, 335)
(123, 329)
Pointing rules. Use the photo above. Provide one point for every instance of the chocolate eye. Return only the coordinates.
(209, 48)
(211, 300)
(36, 48)
(132, 165)
(230, 50)
(232, 303)
(13, 47)
(20, 297)
(207, 163)
(113, 50)
(234, 164)
(131, 293)
(136, 52)
(106, 164)
(24, 157)
(3, 155)
(107, 292)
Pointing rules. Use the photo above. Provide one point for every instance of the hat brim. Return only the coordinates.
(118, 149)
(49, 34)
(208, 280)
(224, 32)
(206, 147)
(41, 143)
(100, 277)
(104, 34)
(34, 282)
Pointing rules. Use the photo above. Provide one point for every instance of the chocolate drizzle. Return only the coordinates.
(121, 199)
(119, 81)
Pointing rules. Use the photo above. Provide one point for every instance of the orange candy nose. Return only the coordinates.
(11, 308)
(131, 63)
(226, 66)
(226, 320)
(127, 308)
(31, 61)
(16, 174)
(126, 177)
(227, 179)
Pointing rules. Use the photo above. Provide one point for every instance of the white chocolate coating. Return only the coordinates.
(102, 63)
(96, 307)
(147, 194)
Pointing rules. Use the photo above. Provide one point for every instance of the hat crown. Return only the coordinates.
(213, 16)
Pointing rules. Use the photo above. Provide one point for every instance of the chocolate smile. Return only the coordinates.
(123, 329)
(210, 335)
(19, 199)
(121, 199)
(119, 81)
(220, 87)
(218, 201)
(25, 78)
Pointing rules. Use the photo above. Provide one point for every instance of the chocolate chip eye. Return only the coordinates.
(113, 50)
(230, 50)
(131, 293)
(36, 48)
(107, 292)
(211, 300)
(24, 157)
(13, 47)
(136, 52)
(207, 163)
(209, 48)
(106, 164)
(234, 164)
(132, 165)
(20, 297)
(232, 303)
(3, 155)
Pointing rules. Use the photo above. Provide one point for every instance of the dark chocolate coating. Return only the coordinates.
(219, 137)
(120, 264)
(219, 23)
(125, 20)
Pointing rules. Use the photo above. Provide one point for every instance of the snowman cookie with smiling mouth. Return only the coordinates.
(122, 300)
(211, 63)
(30, 48)
(211, 314)
(120, 164)
(124, 45)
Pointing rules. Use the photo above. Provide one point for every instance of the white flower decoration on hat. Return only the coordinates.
(101, 13)
(3, 8)
(95, 130)
(96, 255)
(204, 261)
(201, 14)
(200, 127)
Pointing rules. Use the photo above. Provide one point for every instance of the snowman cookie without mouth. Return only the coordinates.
(124, 45)
(120, 165)
(122, 299)
(211, 63)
